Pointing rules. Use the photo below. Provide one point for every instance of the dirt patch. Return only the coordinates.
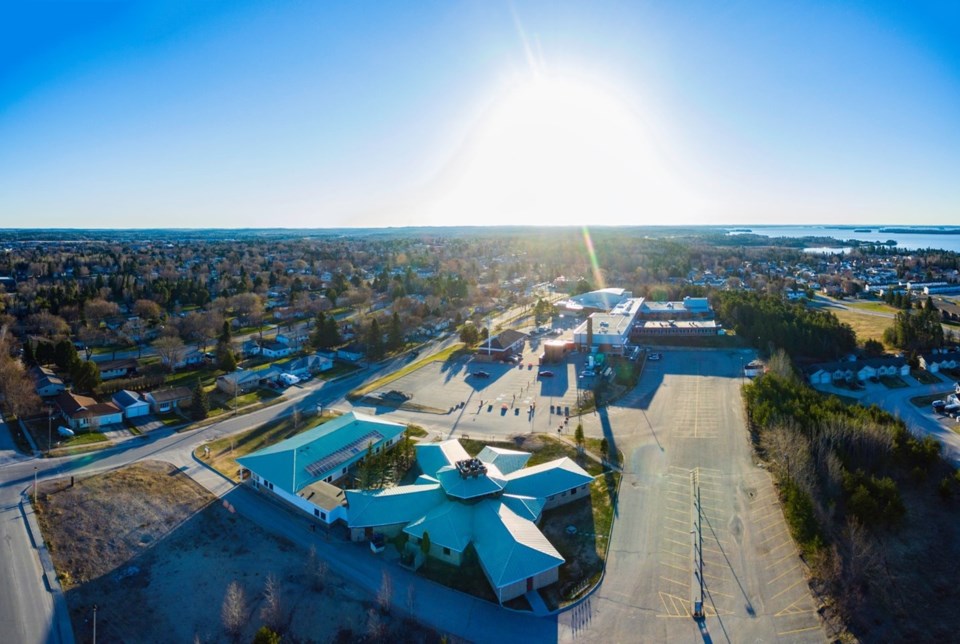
(155, 553)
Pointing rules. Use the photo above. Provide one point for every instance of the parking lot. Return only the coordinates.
(497, 397)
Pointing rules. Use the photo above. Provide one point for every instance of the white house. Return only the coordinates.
(306, 366)
(163, 401)
(131, 403)
(46, 382)
(273, 349)
(83, 412)
(112, 369)
(937, 360)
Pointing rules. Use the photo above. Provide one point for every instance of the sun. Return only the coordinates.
(559, 151)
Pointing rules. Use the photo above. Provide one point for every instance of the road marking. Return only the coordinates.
(799, 630)
(674, 581)
(679, 543)
(783, 574)
(788, 542)
(793, 585)
(666, 527)
(789, 554)
(777, 534)
(680, 568)
(676, 521)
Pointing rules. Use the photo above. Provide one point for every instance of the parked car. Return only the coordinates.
(479, 374)
(545, 374)
(654, 357)
(938, 405)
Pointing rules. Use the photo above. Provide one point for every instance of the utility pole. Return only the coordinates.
(49, 428)
(35, 499)
(94, 624)
(696, 587)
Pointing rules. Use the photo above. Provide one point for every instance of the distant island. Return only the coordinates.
(922, 231)
(863, 230)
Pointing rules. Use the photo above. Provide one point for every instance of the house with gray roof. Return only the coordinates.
(131, 403)
(491, 502)
(46, 382)
(325, 454)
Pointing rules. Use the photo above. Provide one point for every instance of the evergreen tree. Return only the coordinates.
(226, 361)
(86, 376)
(65, 354)
(199, 406)
(225, 335)
(374, 341)
(395, 335)
(29, 358)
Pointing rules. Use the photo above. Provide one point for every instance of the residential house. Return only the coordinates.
(46, 382)
(936, 361)
(492, 502)
(273, 349)
(112, 369)
(861, 370)
(166, 400)
(306, 366)
(351, 353)
(241, 381)
(302, 469)
(131, 403)
(83, 412)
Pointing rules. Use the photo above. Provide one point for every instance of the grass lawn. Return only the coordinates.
(171, 420)
(866, 326)
(543, 448)
(222, 402)
(447, 354)
(188, 378)
(225, 451)
(893, 382)
(415, 431)
(925, 377)
(879, 307)
(39, 430)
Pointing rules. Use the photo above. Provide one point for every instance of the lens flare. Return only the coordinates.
(594, 264)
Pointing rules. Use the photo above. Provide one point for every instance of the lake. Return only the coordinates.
(906, 241)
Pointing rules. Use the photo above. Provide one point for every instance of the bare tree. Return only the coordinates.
(233, 613)
(376, 629)
(385, 593)
(317, 569)
(171, 350)
(295, 416)
(271, 612)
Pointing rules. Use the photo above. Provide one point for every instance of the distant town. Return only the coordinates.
(473, 434)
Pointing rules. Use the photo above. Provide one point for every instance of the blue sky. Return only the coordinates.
(322, 114)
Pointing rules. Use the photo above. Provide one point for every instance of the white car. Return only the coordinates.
(654, 357)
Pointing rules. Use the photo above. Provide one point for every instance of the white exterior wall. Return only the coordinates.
(562, 498)
(339, 512)
(137, 409)
(508, 592)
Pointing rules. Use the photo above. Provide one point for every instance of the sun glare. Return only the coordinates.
(558, 151)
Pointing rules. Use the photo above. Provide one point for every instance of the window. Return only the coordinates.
(446, 551)
(316, 513)
(323, 515)
(573, 491)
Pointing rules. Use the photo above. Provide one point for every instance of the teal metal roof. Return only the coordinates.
(450, 525)
(401, 504)
(470, 487)
(506, 460)
(547, 479)
(320, 451)
(527, 507)
(509, 547)
(432, 456)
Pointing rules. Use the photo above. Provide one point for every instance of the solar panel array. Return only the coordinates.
(343, 454)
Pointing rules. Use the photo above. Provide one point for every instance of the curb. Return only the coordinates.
(62, 626)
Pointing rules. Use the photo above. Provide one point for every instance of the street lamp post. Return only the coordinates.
(94, 624)
(49, 428)
(35, 484)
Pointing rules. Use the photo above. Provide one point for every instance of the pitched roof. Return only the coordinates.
(449, 525)
(509, 547)
(114, 365)
(506, 460)
(124, 398)
(393, 505)
(77, 406)
(547, 479)
(470, 487)
(527, 507)
(169, 395)
(319, 451)
(432, 456)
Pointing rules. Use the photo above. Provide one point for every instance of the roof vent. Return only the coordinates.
(471, 468)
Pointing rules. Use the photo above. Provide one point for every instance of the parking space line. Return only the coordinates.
(799, 630)
(666, 527)
(674, 581)
(788, 542)
(679, 543)
(676, 520)
(783, 574)
(789, 554)
(680, 568)
(775, 535)
(793, 585)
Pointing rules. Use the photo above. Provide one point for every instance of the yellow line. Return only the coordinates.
(679, 543)
(666, 527)
(783, 574)
(793, 585)
(799, 630)
(788, 542)
(674, 581)
(676, 520)
(789, 554)
(717, 592)
(782, 532)
(680, 568)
